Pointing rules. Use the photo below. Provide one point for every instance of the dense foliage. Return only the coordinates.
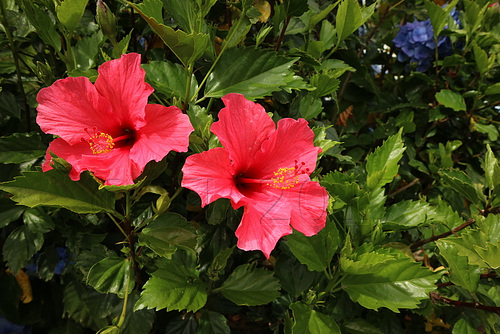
(403, 98)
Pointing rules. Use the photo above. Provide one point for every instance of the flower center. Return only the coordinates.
(284, 178)
(101, 142)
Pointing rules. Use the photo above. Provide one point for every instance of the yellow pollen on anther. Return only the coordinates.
(285, 178)
(101, 143)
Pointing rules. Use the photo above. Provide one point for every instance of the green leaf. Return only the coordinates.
(363, 326)
(323, 138)
(175, 286)
(37, 220)
(250, 286)
(493, 89)
(183, 12)
(490, 226)
(481, 58)
(294, 276)
(382, 164)
(42, 22)
(78, 304)
(296, 7)
(109, 330)
(401, 284)
(139, 321)
(248, 71)
(406, 214)
(187, 47)
(69, 13)
(325, 84)
(364, 259)
(122, 46)
(467, 242)
(439, 15)
(9, 211)
(169, 79)
(112, 275)
(166, 233)
(316, 251)
(316, 18)
(310, 107)
(213, 323)
(350, 16)
(443, 215)
(21, 147)
(488, 129)
(309, 321)
(9, 104)
(219, 264)
(55, 188)
(461, 272)
(463, 327)
(217, 211)
(451, 99)
(460, 182)
(86, 51)
(491, 169)
(341, 186)
(238, 32)
(20, 246)
(490, 254)
(473, 15)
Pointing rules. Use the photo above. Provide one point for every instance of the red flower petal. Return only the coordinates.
(71, 153)
(290, 144)
(121, 81)
(70, 106)
(209, 174)
(309, 201)
(242, 127)
(166, 129)
(264, 222)
(114, 167)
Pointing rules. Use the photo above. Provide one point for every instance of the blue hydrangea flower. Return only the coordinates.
(62, 252)
(7, 327)
(415, 41)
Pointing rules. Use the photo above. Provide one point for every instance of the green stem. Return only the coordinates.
(327, 274)
(117, 225)
(18, 68)
(210, 102)
(127, 205)
(188, 87)
(157, 98)
(335, 280)
(147, 221)
(70, 56)
(125, 301)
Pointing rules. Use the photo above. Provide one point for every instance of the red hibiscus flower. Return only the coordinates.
(264, 169)
(109, 128)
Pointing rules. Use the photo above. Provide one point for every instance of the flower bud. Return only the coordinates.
(106, 20)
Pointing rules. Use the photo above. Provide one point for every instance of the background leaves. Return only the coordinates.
(409, 157)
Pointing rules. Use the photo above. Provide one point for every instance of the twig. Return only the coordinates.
(409, 185)
(282, 34)
(436, 297)
(417, 244)
(482, 276)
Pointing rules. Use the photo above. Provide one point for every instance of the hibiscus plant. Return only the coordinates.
(249, 166)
